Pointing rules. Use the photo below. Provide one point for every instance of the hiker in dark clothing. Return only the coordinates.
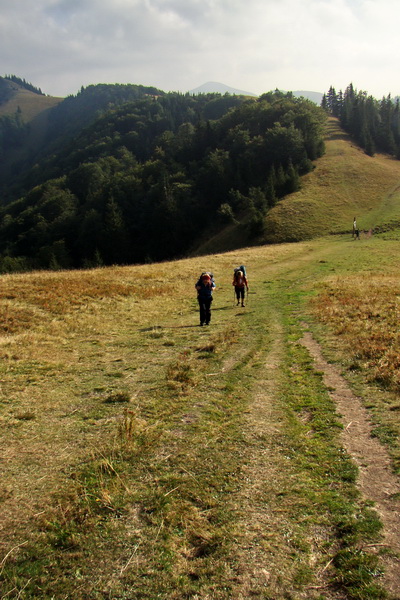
(205, 287)
(240, 282)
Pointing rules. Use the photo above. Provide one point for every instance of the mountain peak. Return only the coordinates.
(214, 87)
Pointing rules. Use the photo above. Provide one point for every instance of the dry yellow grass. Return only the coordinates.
(174, 428)
(365, 314)
(29, 103)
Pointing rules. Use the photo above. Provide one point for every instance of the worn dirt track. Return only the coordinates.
(376, 480)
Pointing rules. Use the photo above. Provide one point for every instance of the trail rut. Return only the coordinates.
(376, 480)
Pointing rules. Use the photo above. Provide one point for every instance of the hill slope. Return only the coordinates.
(153, 175)
(344, 183)
(33, 111)
(28, 103)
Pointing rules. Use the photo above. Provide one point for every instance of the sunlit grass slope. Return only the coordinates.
(345, 183)
(29, 103)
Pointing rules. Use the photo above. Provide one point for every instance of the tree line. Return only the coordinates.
(147, 178)
(25, 84)
(373, 124)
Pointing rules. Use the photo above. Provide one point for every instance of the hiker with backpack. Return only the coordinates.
(205, 287)
(240, 282)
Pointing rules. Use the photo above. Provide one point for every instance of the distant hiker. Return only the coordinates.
(205, 287)
(356, 231)
(240, 282)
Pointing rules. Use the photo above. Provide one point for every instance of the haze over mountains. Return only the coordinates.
(221, 88)
(216, 87)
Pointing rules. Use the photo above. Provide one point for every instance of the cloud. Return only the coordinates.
(60, 45)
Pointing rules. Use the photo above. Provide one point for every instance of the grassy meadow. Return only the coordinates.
(144, 457)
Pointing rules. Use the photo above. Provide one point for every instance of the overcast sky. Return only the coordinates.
(177, 45)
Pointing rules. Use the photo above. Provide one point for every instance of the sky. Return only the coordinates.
(178, 45)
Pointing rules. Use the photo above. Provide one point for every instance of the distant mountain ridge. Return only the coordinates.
(214, 87)
(313, 96)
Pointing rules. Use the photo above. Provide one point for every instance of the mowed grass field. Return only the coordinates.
(145, 457)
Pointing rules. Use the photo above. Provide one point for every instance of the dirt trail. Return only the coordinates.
(264, 530)
(262, 468)
(376, 480)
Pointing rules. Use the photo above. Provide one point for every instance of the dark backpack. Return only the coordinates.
(242, 268)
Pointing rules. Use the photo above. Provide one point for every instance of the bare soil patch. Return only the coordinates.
(376, 479)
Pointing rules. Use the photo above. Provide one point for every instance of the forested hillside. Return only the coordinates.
(24, 111)
(147, 177)
(34, 126)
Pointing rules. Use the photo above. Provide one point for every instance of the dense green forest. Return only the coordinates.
(146, 178)
(64, 122)
(12, 128)
(98, 113)
(373, 124)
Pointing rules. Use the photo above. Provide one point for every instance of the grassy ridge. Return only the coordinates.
(29, 103)
(137, 444)
(345, 183)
